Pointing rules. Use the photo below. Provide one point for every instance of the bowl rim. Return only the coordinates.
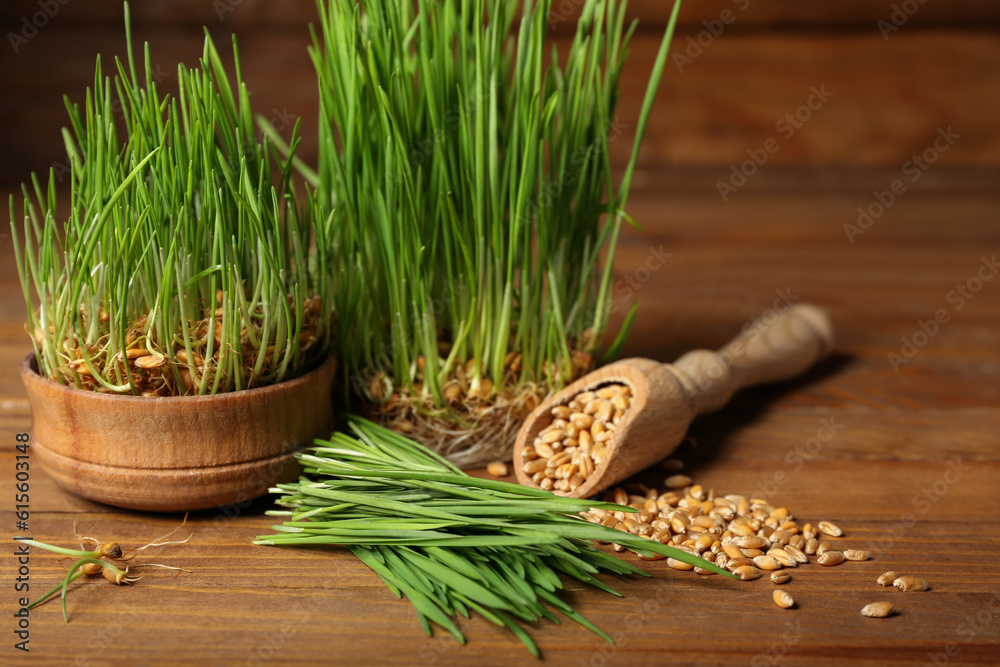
(31, 375)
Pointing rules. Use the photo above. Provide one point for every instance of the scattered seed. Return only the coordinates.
(751, 542)
(732, 551)
(783, 599)
(780, 537)
(497, 469)
(831, 529)
(790, 527)
(908, 583)
(877, 609)
(782, 556)
(739, 562)
(796, 553)
(679, 565)
(743, 507)
(747, 572)
(747, 536)
(703, 543)
(830, 558)
(673, 464)
(780, 577)
(768, 563)
(677, 481)
(741, 529)
(886, 578)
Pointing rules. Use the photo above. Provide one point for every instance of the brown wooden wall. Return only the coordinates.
(890, 91)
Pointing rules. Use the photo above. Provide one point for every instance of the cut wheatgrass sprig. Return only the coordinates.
(466, 161)
(182, 265)
(451, 543)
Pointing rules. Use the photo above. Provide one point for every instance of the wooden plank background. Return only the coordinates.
(889, 96)
(782, 230)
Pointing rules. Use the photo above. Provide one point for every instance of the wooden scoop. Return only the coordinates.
(667, 397)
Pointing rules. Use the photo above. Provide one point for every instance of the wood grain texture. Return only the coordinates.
(882, 477)
(177, 453)
(264, 15)
(700, 268)
(885, 101)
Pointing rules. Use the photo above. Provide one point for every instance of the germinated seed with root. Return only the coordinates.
(90, 569)
(877, 609)
(908, 583)
(886, 578)
(151, 361)
(783, 599)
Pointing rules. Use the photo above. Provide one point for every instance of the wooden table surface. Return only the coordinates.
(911, 472)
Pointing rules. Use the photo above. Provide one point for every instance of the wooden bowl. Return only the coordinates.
(176, 453)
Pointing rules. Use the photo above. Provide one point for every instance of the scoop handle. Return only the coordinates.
(766, 351)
